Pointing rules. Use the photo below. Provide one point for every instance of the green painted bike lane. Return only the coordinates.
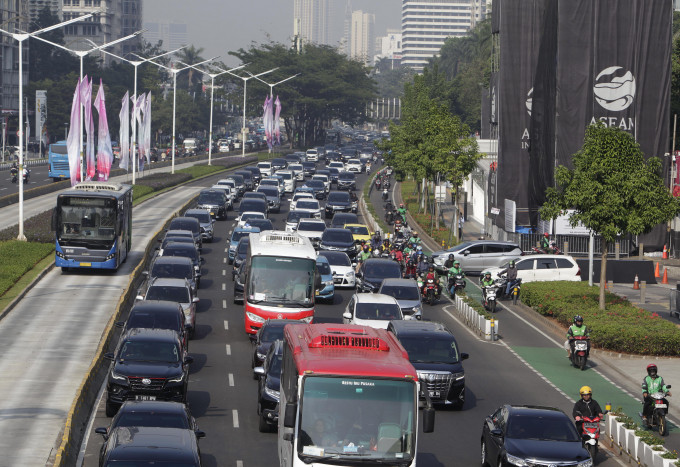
(553, 364)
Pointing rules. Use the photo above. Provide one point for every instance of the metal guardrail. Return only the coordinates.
(27, 163)
(576, 245)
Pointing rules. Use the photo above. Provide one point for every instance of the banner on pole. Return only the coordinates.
(40, 112)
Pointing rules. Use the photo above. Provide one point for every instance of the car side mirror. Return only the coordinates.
(428, 419)
(195, 300)
(347, 315)
(188, 360)
(496, 432)
(139, 297)
(109, 356)
(199, 434)
(466, 252)
(289, 415)
(464, 356)
(258, 370)
(120, 324)
(102, 431)
(202, 259)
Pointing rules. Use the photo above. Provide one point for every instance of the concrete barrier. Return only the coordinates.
(478, 323)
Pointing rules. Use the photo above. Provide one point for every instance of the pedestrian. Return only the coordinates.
(461, 221)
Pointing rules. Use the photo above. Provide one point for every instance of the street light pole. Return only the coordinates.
(212, 93)
(21, 37)
(174, 72)
(271, 87)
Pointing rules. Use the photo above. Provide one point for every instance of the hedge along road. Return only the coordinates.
(50, 337)
(539, 345)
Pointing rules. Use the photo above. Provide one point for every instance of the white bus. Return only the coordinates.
(280, 279)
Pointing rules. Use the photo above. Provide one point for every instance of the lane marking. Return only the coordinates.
(224, 286)
(224, 272)
(224, 260)
(226, 325)
(235, 415)
(226, 250)
(228, 349)
(239, 463)
(231, 379)
(224, 305)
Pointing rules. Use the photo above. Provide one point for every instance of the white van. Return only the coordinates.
(265, 168)
(312, 155)
(190, 144)
(288, 180)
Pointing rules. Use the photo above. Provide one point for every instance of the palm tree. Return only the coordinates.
(190, 55)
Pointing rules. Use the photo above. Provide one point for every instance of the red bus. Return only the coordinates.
(348, 393)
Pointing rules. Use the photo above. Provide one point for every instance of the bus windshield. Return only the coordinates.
(287, 282)
(86, 221)
(345, 417)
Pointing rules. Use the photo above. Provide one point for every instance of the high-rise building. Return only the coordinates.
(389, 47)
(36, 6)
(9, 54)
(362, 36)
(311, 20)
(173, 34)
(426, 24)
(113, 19)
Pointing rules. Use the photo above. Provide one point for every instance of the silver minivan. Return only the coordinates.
(477, 256)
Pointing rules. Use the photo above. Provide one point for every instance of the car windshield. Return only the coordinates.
(431, 349)
(186, 250)
(211, 198)
(243, 246)
(172, 270)
(307, 204)
(253, 205)
(401, 292)
(312, 226)
(184, 224)
(321, 178)
(169, 293)
(295, 216)
(203, 217)
(264, 165)
(295, 167)
(285, 175)
(152, 418)
(340, 235)
(315, 184)
(381, 268)
(171, 238)
(281, 282)
(379, 311)
(336, 259)
(544, 428)
(346, 176)
(250, 215)
(271, 333)
(358, 229)
(299, 196)
(275, 365)
(269, 182)
(236, 236)
(262, 224)
(149, 351)
(271, 192)
(338, 197)
(323, 268)
(145, 319)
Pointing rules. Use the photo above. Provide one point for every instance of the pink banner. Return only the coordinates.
(124, 132)
(73, 139)
(104, 149)
(277, 114)
(86, 100)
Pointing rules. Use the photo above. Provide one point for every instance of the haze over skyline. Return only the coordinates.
(220, 26)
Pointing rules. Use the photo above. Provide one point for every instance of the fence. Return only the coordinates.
(27, 163)
(478, 323)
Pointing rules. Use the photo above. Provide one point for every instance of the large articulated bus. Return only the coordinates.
(348, 396)
(280, 278)
(93, 224)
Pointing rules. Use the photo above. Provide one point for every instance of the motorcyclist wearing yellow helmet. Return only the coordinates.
(586, 406)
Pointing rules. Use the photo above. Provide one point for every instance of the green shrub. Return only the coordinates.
(17, 258)
(670, 455)
(621, 327)
(200, 170)
(139, 191)
(161, 180)
(36, 229)
(649, 438)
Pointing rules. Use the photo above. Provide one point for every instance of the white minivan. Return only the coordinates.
(312, 155)
(265, 168)
(541, 268)
(288, 180)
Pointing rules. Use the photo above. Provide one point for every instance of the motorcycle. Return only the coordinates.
(27, 175)
(514, 292)
(389, 218)
(377, 183)
(490, 292)
(428, 288)
(590, 434)
(410, 270)
(385, 193)
(551, 250)
(456, 283)
(14, 172)
(579, 357)
(398, 226)
(387, 184)
(658, 418)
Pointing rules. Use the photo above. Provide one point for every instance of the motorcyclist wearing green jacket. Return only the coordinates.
(363, 255)
(578, 329)
(415, 239)
(485, 282)
(402, 211)
(652, 384)
(454, 271)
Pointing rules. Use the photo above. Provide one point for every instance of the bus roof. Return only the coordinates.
(283, 244)
(96, 189)
(347, 349)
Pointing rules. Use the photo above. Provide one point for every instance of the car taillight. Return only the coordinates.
(578, 273)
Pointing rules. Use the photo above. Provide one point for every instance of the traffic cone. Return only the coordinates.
(636, 283)
(664, 280)
(656, 270)
(665, 253)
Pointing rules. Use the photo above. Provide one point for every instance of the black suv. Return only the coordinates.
(157, 314)
(214, 201)
(433, 352)
(188, 223)
(149, 364)
(269, 387)
(374, 270)
(338, 240)
(347, 181)
(151, 446)
(338, 201)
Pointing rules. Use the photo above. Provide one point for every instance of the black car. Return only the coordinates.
(531, 435)
(433, 352)
(179, 239)
(240, 183)
(309, 168)
(318, 186)
(157, 314)
(238, 283)
(269, 385)
(257, 175)
(241, 252)
(188, 251)
(188, 223)
(333, 173)
(373, 271)
(253, 205)
(341, 219)
(273, 199)
(215, 202)
(347, 181)
(338, 201)
(148, 364)
(174, 267)
(205, 219)
(150, 446)
(271, 330)
(278, 164)
(335, 239)
(248, 178)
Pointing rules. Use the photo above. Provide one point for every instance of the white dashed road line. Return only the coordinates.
(231, 379)
(226, 325)
(235, 414)
(228, 349)
(224, 305)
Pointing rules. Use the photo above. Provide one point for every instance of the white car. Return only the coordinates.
(299, 196)
(540, 268)
(309, 205)
(337, 165)
(343, 271)
(265, 168)
(325, 179)
(312, 229)
(249, 215)
(223, 147)
(353, 165)
(312, 155)
(288, 180)
(298, 171)
(372, 309)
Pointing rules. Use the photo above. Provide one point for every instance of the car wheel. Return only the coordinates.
(111, 409)
(263, 426)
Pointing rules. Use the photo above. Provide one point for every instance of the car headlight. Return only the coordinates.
(327, 282)
(459, 376)
(512, 460)
(178, 379)
(306, 320)
(260, 356)
(253, 317)
(417, 310)
(349, 274)
(271, 393)
(118, 376)
(586, 463)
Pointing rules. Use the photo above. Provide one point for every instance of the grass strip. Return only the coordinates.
(20, 285)
(17, 258)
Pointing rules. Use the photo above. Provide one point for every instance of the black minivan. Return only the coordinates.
(248, 178)
(338, 240)
(253, 205)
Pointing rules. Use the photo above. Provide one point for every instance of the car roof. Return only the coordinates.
(172, 260)
(418, 327)
(535, 410)
(247, 229)
(375, 298)
(321, 259)
(331, 253)
(397, 282)
(356, 225)
(156, 306)
(169, 282)
(195, 211)
(150, 334)
(214, 190)
(153, 406)
(153, 444)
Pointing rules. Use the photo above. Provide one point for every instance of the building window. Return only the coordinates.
(71, 30)
(88, 2)
(89, 30)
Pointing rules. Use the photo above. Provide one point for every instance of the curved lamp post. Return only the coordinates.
(271, 86)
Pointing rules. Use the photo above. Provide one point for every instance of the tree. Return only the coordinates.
(611, 189)
(191, 79)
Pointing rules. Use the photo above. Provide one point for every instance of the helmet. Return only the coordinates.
(401, 205)
(512, 263)
(487, 273)
(651, 369)
(450, 255)
(419, 248)
(585, 390)
(365, 247)
(431, 267)
(546, 234)
(415, 234)
(456, 262)
(577, 319)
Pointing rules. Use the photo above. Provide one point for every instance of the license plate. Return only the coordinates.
(212, 213)
(140, 397)
(581, 346)
(86, 265)
(317, 292)
(590, 425)
(660, 406)
(436, 394)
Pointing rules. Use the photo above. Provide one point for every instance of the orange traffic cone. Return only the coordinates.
(636, 283)
(656, 270)
(664, 280)
(665, 253)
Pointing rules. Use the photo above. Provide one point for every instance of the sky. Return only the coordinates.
(219, 26)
